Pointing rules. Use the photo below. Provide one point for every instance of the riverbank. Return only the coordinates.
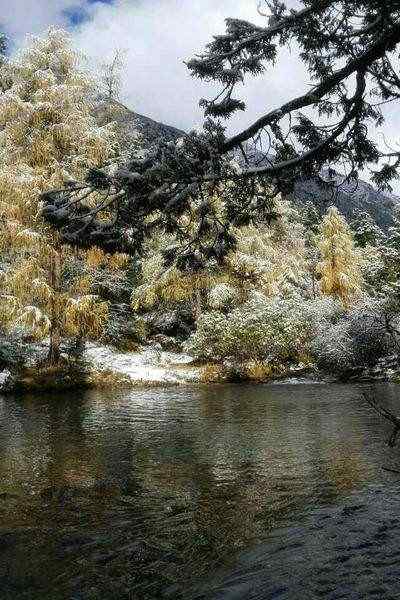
(103, 367)
(106, 367)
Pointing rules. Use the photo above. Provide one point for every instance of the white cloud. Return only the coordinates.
(158, 36)
(20, 17)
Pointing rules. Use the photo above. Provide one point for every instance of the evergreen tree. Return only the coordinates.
(47, 136)
(366, 231)
(348, 48)
(339, 267)
(390, 253)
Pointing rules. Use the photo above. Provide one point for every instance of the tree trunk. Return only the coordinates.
(53, 357)
(79, 344)
(197, 305)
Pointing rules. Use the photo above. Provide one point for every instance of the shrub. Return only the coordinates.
(333, 350)
(124, 330)
(256, 370)
(210, 341)
(360, 339)
(262, 329)
(222, 296)
(14, 352)
(370, 337)
(213, 373)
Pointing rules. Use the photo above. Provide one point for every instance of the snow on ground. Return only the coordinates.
(4, 377)
(151, 366)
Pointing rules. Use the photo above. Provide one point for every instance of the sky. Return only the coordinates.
(157, 36)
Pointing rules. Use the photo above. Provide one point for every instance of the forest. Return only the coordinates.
(199, 326)
(298, 288)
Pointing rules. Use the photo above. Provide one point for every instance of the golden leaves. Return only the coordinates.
(82, 285)
(48, 134)
(35, 321)
(118, 261)
(86, 316)
(340, 267)
(19, 280)
(95, 258)
(171, 286)
(9, 307)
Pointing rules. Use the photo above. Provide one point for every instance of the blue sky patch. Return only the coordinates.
(79, 13)
(76, 15)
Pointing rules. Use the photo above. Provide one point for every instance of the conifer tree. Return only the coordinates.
(339, 266)
(269, 259)
(347, 48)
(390, 254)
(48, 136)
(365, 230)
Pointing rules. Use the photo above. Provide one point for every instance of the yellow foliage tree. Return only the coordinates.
(339, 267)
(48, 135)
(268, 259)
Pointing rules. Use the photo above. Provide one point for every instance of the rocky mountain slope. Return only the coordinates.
(349, 197)
(150, 130)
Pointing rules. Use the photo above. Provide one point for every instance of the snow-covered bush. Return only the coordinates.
(276, 329)
(222, 296)
(210, 341)
(359, 339)
(13, 351)
(332, 349)
(370, 337)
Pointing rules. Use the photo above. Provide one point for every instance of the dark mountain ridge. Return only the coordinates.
(350, 198)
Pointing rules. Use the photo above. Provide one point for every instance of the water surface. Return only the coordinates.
(155, 490)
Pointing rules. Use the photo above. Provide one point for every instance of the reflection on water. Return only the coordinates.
(238, 460)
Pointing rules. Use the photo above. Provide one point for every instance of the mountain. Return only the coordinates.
(349, 197)
(150, 130)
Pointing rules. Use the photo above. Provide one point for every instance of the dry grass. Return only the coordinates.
(213, 373)
(257, 370)
(109, 379)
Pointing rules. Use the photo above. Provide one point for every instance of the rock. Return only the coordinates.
(5, 381)
(175, 323)
(170, 344)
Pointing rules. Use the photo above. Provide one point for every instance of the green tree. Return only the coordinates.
(365, 231)
(348, 48)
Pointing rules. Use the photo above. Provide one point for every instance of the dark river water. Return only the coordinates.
(212, 492)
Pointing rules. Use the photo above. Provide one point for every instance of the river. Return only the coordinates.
(229, 491)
